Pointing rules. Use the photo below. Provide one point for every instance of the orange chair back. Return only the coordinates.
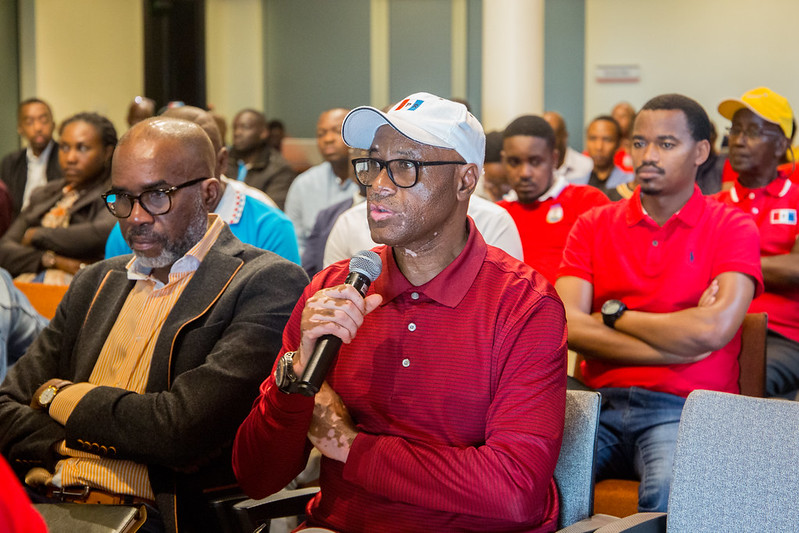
(43, 298)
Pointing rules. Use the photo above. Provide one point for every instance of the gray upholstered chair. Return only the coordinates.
(574, 473)
(736, 468)
(620, 496)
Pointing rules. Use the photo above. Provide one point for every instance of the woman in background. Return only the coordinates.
(66, 224)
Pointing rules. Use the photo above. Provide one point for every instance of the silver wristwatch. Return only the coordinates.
(285, 378)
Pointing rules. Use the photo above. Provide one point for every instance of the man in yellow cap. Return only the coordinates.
(762, 124)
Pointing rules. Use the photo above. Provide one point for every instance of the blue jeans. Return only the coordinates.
(782, 366)
(637, 436)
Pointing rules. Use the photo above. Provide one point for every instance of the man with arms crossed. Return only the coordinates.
(445, 411)
(656, 288)
(134, 391)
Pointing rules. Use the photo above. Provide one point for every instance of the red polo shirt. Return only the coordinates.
(627, 256)
(544, 224)
(458, 389)
(774, 210)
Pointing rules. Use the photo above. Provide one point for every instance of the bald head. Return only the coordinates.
(162, 177)
(140, 108)
(191, 144)
(202, 118)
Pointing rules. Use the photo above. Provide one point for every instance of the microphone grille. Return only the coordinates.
(368, 263)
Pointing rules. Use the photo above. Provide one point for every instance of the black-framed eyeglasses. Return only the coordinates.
(403, 173)
(155, 201)
(751, 133)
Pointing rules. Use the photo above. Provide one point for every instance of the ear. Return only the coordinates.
(780, 147)
(555, 157)
(467, 181)
(221, 161)
(702, 151)
(264, 134)
(212, 193)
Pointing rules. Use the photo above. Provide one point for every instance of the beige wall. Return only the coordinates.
(504, 22)
(88, 55)
(708, 50)
(82, 55)
(234, 55)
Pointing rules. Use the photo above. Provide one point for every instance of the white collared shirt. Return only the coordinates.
(37, 171)
(558, 184)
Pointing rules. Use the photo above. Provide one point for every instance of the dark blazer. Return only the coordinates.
(216, 346)
(84, 238)
(14, 172)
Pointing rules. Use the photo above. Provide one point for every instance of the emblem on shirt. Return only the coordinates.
(783, 216)
(555, 214)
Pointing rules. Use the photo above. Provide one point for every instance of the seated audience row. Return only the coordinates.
(661, 258)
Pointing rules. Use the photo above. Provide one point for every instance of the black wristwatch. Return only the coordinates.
(285, 378)
(612, 311)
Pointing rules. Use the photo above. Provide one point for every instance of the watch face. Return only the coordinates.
(47, 396)
(611, 307)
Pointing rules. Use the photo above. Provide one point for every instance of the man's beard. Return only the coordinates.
(171, 251)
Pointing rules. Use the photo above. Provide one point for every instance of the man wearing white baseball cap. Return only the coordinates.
(445, 411)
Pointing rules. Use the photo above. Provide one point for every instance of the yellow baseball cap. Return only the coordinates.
(764, 103)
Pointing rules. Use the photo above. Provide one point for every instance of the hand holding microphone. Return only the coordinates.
(365, 267)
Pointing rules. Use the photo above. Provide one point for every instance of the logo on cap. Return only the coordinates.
(407, 105)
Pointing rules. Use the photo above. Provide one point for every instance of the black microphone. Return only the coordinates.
(365, 266)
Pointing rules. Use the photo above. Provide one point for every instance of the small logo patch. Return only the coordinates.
(407, 105)
(783, 216)
(555, 214)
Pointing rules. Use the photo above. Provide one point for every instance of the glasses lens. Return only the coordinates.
(403, 171)
(366, 170)
(156, 202)
(119, 205)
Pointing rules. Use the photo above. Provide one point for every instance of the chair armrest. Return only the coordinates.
(252, 513)
(637, 523)
(589, 525)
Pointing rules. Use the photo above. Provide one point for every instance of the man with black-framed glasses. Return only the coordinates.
(251, 215)
(350, 233)
(762, 126)
(444, 409)
(133, 393)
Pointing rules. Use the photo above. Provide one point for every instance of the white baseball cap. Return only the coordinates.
(424, 118)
